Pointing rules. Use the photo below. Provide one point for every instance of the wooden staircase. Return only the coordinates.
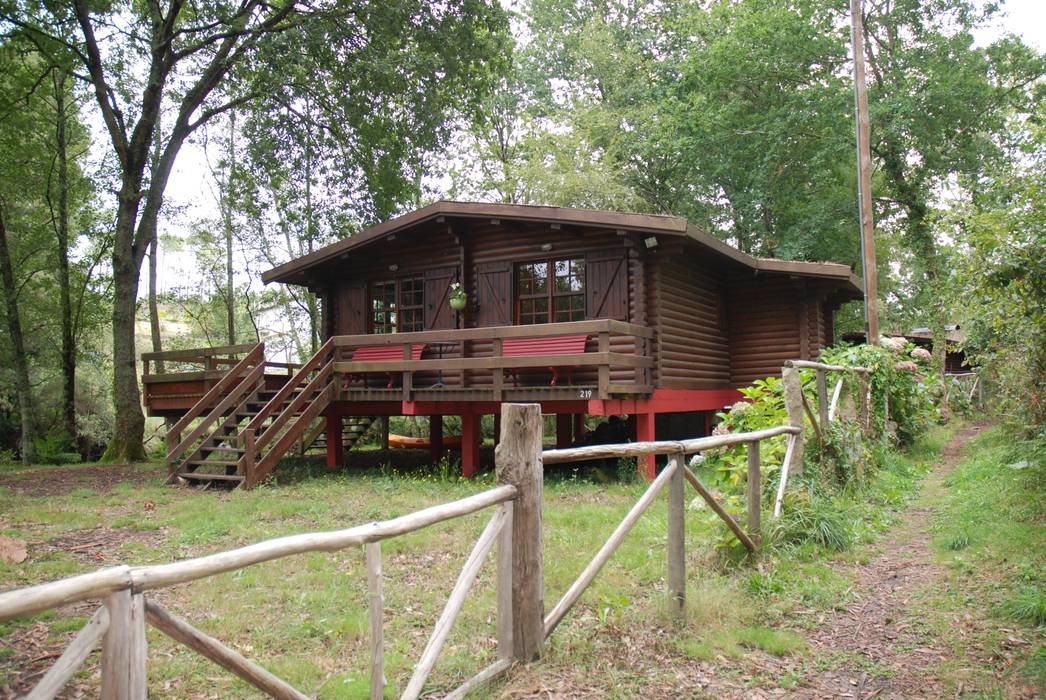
(354, 429)
(242, 429)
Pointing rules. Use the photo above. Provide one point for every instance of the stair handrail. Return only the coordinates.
(255, 357)
(281, 396)
(321, 378)
(230, 400)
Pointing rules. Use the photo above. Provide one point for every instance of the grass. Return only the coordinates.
(989, 535)
(305, 617)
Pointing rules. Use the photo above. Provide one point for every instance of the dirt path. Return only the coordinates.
(885, 650)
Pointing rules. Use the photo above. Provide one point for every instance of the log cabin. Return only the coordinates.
(586, 312)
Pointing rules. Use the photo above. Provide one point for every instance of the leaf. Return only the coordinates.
(12, 551)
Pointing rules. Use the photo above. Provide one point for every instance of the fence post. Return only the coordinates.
(676, 538)
(793, 397)
(124, 647)
(822, 399)
(376, 599)
(518, 462)
(754, 493)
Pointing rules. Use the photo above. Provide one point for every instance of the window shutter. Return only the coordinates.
(606, 285)
(438, 314)
(352, 309)
(494, 294)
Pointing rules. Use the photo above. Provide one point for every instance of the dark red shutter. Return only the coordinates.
(606, 285)
(438, 314)
(494, 294)
(352, 309)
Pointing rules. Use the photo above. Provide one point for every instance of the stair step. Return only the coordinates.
(193, 476)
(218, 448)
(214, 462)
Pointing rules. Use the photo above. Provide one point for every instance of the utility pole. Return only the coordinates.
(864, 177)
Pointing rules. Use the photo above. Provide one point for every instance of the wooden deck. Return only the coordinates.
(456, 365)
(174, 380)
(237, 417)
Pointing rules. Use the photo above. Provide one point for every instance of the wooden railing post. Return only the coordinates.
(793, 397)
(250, 453)
(408, 375)
(376, 595)
(676, 539)
(504, 591)
(604, 369)
(822, 399)
(124, 647)
(754, 493)
(499, 372)
(518, 463)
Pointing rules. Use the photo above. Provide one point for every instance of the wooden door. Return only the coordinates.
(494, 294)
(438, 314)
(352, 309)
(606, 285)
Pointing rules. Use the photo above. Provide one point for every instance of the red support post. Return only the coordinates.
(435, 438)
(335, 448)
(470, 440)
(645, 433)
(563, 430)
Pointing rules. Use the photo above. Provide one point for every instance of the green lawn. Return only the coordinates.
(305, 617)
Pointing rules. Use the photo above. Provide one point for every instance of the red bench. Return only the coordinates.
(551, 345)
(383, 353)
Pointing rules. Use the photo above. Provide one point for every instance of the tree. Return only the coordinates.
(205, 60)
(45, 206)
(1001, 276)
(939, 110)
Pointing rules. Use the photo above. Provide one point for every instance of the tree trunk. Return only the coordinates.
(68, 351)
(154, 306)
(230, 290)
(21, 362)
(129, 427)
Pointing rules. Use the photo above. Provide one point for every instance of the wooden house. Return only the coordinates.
(587, 312)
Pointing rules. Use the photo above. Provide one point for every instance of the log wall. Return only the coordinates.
(685, 298)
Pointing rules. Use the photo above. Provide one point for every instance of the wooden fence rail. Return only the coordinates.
(674, 475)
(514, 529)
(119, 624)
(797, 406)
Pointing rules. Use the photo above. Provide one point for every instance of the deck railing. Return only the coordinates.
(603, 360)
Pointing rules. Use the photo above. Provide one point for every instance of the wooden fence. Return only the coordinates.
(798, 406)
(119, 623)
(514, 528)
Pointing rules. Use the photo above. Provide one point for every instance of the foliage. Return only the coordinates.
(762, 407)
(1002, 280)
(900, 380)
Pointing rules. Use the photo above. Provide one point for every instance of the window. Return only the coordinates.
(397, 306)
(550, 290)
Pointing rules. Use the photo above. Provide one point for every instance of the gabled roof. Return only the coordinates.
(660, 225)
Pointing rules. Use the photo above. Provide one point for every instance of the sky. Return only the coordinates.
(190, 193)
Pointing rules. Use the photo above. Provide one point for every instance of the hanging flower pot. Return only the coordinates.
(458, 298)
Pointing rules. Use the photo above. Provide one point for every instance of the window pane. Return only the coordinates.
(533, 311)
(383, 304)
(577, 278)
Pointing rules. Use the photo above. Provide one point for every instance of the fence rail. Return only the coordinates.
(119, 624)
(514, 529)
